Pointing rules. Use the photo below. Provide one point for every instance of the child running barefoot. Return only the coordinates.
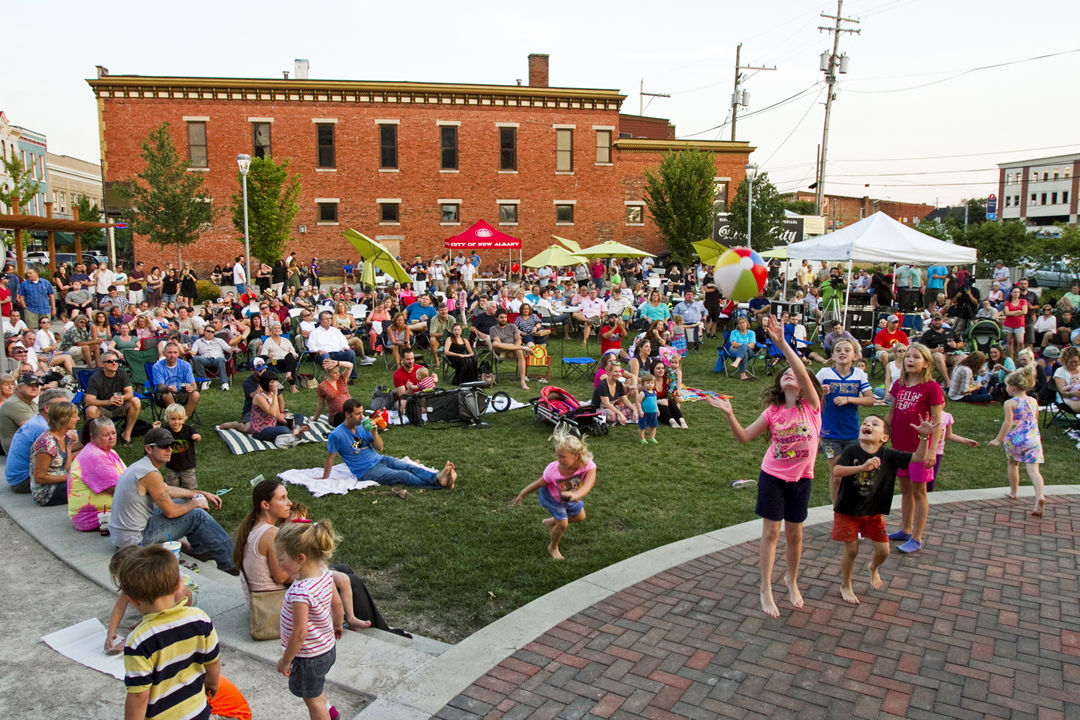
(914, 395)
(861, 488)
(1020, 432)
(299, 513)
(562, 486)
(311, 613)
(648, 410)
(113, 643)
(793, 416)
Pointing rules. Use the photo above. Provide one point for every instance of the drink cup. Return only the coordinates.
(173, 546)
(103, 521)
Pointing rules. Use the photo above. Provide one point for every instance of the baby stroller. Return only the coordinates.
(984, 333)
(561, 409)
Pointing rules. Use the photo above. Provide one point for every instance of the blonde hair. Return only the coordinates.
(175, 410)
(650, 378)
(314, 540)
(60, 414)
(565, 440)
(1027, 354)
(843, 341)
(1022, 379)
(928, 363)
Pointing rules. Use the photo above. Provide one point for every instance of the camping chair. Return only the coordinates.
(725, 356)
(1057, 410)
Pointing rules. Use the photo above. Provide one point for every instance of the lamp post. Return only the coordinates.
(244, 161)
(751, 173)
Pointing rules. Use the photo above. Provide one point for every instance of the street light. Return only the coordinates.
(751, 173)
(244, 161)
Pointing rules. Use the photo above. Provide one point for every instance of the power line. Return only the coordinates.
(800, 122)
(786, 100)
(978, 154)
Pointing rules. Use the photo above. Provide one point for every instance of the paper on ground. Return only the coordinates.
(83, 643)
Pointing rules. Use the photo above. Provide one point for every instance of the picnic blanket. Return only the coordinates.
(340, 481)
(696, 394)
(240, 443)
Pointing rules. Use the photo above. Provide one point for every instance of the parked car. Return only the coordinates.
(1055, 275)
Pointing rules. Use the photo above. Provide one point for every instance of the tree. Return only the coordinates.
(22, 188)
(271, 195)
(90, 212)
(800, 207)
(167, 203)
(768, 214)
(1006, 241)
(681, 195)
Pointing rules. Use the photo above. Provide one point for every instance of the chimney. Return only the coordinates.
(538, 70)
(102, 71)
(300, 69)
(285, 74)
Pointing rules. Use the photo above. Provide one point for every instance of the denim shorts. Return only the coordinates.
(307, 675)
(832, 448)
(781, 500)
(559, 509)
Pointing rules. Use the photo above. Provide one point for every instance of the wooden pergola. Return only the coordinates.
(19, 222)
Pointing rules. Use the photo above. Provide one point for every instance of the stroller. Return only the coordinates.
(984, 333)
(561, 409)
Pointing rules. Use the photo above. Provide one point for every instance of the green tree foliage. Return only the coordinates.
(681, 196)
(1064, 249)
(21, 189)
(801, 207)
(167, 204)
(272, 194)
(768, 215)
(90, 212)
(1007, 241)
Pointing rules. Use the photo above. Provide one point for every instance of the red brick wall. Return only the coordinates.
(647, 127)
(843, 211)
(600, 191)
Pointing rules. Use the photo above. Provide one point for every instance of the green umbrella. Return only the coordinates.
(555, 255)
(708, 250)
(375, 256)
(612, 249)
(574, 247)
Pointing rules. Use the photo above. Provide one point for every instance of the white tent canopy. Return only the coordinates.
(880, 239)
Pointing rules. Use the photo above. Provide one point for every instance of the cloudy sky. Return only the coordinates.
(916, 117)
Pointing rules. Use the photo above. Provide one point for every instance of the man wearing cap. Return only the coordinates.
(419, 270)
(888, 336)
(109, 392)
(943, 345)
(146, 511)
(36, 298)
(17, 468)
(174, 380)
(1001, 277)
(19, 408)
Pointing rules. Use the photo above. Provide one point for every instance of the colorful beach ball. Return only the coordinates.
(741, 274)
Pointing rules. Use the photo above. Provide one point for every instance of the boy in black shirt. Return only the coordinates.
(861, 487)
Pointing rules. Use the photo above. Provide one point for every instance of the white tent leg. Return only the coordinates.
(847, 294)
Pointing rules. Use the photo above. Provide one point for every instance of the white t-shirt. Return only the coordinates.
(238, 274)
(43, 339)
(1072, 382)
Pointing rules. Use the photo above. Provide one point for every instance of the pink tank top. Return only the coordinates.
(256, 568)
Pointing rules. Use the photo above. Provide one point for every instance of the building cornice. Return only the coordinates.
(352, 91)
(739, 147)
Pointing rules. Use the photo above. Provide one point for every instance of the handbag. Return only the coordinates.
(264, 612)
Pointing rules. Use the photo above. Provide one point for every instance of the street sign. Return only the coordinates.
(121, 226)
(991, 207)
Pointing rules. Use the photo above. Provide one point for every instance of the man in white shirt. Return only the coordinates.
(47, 348)
(591, 313)
(468, 272)
(1001, 277)
(693, 313)
(239, 276)
(103, 277)
(211, 351)
(329, 343)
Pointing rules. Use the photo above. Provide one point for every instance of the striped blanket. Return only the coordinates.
(240, 443)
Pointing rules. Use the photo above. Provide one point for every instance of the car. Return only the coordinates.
(1055, 275)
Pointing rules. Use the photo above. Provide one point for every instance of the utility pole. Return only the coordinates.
(642, 94)
(741, 98)
(831, 63)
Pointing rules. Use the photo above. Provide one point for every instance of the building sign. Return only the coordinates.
(792, 229)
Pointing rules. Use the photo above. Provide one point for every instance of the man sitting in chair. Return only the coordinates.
(438, 330)
(328, 342)
(506, 342)
(590, 315)
(174, 380)
(693, 313)
(419, 313)
(109, 392)
(211, 351)
(410, 378)
(484, 322)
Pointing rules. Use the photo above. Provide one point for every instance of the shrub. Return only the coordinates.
(206, 290)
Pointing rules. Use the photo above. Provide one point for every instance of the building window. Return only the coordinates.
(564, 214)
(1008, 200)
(1016, 201)
(720, 198)
(260, 139)
(1034, 198)
(324, 134)
(388, 146)
(450, 212)
(635, 214)
(564, 150)
(508, 213)
(389, 212)
(448, 146)
(603, 147)
(1042, 199)
(1053, 198)
(508, 149)
(1046, 175)
(1064, 197)
(328, 211)
(196, 137)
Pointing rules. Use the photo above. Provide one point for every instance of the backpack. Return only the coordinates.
(414, 408)
(382, 398)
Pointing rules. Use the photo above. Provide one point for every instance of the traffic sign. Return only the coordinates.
(991, 207)
(121, 225)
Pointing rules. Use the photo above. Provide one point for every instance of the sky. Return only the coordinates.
(913, 120)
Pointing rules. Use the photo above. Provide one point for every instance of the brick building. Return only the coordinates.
(841, 210)
(405, 162)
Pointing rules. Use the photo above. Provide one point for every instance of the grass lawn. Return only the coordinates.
(447, 563)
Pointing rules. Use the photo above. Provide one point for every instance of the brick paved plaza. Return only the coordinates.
(985, 622)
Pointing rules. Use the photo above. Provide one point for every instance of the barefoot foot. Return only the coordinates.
(793, 590)
(1011, 496)
(875, 578)
(548, 522)
(848, 593)
(553, 550)
(1040, 504)
(358, 624)
(768, 604)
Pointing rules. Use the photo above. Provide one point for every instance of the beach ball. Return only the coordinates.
(1075, 337)
(741, 274)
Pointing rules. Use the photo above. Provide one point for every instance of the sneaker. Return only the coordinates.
(654, 441)
(204, 385)
(367, 361)
(644, 441)
(899, 535)
(742, 483)
(674, 423)
(911, 546)
(333, 713)
(224, 387)
(682, 424)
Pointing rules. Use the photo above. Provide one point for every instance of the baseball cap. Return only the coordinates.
(160, 437)
(258, 363)
(1051, 351)
(28, 378)
(936, 316)
(892, 318)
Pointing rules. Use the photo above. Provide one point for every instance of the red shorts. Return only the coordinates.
(847, 528)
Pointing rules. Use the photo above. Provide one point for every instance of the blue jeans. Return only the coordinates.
(743, 352)
(201, 531)
(391, 471)
(268, 434)
(168, 298)
(346, 355)
(216, 363)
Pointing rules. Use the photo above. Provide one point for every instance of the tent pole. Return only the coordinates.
(847, 294)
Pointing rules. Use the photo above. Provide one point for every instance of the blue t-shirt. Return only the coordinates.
(841, 422)
(416, 311)
(18, 459)
(648, 401)
(354, 448)
(936, 283)
(743, 338)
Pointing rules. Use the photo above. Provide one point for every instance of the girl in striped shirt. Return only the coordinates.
(312, 615)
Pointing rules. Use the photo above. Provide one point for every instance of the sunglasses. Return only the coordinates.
(110, 362)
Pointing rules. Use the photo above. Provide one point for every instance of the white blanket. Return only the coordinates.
(340, 481)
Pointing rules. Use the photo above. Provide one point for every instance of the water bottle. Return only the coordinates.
(256, 480)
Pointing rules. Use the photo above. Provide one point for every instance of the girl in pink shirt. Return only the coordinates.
(793, 417)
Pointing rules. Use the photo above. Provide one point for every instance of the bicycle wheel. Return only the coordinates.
(500, 401)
